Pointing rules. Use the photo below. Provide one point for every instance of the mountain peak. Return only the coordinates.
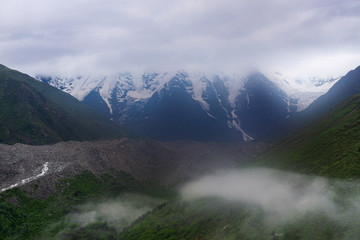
(46, 115)
(226, 102)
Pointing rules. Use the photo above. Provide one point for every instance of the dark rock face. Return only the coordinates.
(262, 107)
(172, 113)
(95, 100)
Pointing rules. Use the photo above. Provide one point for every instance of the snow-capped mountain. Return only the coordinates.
(195, 106)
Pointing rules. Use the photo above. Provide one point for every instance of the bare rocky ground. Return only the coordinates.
(165, 163)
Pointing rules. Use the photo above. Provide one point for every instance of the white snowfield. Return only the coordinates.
(141, 86)
(44, 170)
(305, 90)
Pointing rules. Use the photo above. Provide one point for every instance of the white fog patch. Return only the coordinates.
(117, 213)
(281, 195)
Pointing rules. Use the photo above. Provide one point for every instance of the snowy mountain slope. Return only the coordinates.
(195, 106)
(345, 87)
(303, 90)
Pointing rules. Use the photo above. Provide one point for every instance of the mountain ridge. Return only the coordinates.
(327, 147)
(228, 105)
(36, 113)
(334, 135)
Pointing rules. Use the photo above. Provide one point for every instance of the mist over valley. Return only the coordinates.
(186, 120)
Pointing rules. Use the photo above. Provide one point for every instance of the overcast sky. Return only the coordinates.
(295, 37)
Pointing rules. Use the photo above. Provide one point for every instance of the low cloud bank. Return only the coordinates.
(282, 195)
(117, 213)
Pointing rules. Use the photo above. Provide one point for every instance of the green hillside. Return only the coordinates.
(216, 219)
(330, 146)
(51, 218)
(36, 113)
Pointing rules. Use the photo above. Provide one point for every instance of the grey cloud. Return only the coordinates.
(163, 34)
(281, 194)
(117, 213)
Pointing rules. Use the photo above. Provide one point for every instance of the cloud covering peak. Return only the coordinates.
(299, 37)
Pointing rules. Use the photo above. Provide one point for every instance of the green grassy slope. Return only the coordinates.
(221, 220)
(330, 146)
(36, 113)
(25, 217)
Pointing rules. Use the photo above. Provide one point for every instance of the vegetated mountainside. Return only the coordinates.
(195, 106)
(216, 218)
(60, 177)
(92, 169)
(36, 113)
(342, 89)
(23, 216)
(329, 146)
(213, 218)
